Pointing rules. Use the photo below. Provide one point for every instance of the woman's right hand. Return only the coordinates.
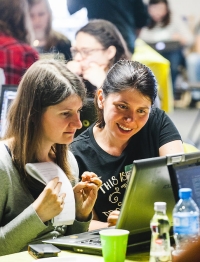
(95, 74)
(113, 217)
(50, 203)
(74, 67)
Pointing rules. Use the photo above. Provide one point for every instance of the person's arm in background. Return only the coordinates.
(197, 44)
(74, 5)
(182, 32)
(140, 14)
(197, 39)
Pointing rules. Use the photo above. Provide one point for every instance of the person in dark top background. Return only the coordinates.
(97, 46)
(129, 16)
(47, 40)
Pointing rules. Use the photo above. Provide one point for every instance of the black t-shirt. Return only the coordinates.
(158, 131)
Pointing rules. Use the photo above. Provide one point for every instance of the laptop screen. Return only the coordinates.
(187, 174)
(165, 46)
(8, 93)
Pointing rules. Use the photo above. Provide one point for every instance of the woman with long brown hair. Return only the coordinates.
(41, 123)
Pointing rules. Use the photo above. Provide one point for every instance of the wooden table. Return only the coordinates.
(26, 257)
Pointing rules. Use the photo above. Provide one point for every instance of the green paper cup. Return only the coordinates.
(114, 244)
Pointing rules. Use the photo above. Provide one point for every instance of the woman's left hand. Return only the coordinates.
(86, 194)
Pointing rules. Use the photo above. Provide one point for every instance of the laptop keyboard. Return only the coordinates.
(94, 241)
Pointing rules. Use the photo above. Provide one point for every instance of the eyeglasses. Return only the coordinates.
(84, 52)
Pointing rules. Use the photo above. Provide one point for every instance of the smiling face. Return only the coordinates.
(88, 49)
(125, 113)
(60, 122)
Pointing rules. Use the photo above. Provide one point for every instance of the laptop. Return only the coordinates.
(165, 46)
(149, 182)
(186, 174)
(8, 93)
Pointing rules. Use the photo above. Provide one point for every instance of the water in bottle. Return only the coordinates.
(185, 220)
(160, 249)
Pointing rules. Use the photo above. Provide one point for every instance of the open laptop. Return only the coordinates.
(165, 46)
(149, 182)
(8, 93)
(186, 174)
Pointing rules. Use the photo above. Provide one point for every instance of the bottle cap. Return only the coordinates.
(185, 193)
(160, 206)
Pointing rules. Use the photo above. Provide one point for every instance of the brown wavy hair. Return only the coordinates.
(45, 83)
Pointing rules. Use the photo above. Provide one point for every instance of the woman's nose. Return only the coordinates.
(78, 57)
(128, 119)
(77, 122)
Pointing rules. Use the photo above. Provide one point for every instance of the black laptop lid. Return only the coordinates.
(186, 174)
(149, 183)
(8, 93)
(165, 46)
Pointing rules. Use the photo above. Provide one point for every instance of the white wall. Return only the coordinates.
(64, 22)
(188, 8)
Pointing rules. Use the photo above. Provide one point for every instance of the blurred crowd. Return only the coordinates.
(27, 34)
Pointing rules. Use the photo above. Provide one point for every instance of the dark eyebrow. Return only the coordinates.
(142, 107)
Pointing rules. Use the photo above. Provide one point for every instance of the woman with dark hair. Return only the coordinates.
(47, 40)
(127, 128)
(164, 16)
(16, 54)
(163, 26)
(42, 121)
(98, 45)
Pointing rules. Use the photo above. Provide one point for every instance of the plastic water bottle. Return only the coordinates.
(185, 220)
(160, 249)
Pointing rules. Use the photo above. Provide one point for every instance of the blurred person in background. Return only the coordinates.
(98, 45)
(46, 39)
(129, 16)
(193, 65)
(162, 26)
(16, 54)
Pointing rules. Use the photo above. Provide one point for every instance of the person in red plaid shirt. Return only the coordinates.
(16, 54)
